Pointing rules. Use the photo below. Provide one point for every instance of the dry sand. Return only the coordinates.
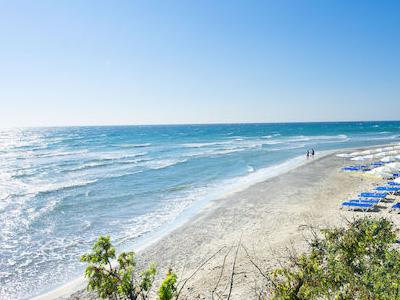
(267, 219)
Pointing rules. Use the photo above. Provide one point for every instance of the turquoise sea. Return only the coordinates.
(60, 188)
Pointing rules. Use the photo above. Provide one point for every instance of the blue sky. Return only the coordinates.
(143, 62)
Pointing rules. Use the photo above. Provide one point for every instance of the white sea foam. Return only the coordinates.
(287, 147)
(60, 186)
(272, 142)
(250, 169)
(137, 227)
(32, 190)
(60, 153)
(163, 163)
(144, 145)
(116, 155)
(303, 138)
(110, 160)
(201, 145)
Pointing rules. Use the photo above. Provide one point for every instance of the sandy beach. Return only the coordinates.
(267, 219)
(201, 140)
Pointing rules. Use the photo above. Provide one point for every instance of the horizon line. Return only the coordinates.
(197, 124)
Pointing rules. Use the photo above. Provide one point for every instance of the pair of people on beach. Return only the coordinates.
(310, 153)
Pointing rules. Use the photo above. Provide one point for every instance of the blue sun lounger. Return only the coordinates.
(358, 205)
(373, 195)
(396, 175)
(362, 168)
(365, 201)
(377, 163)
(395, 206)
(390, 189)
(393, 183)
(350, 169)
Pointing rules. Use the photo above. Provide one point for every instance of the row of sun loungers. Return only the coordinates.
(366, 168)
(369, 200)
(365, 202)
(360, 168)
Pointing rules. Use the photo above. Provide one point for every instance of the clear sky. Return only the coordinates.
(141, 62)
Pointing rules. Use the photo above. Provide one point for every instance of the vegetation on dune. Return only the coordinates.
(122, 281)
(360, 261)
(168, 287)
(357, 262)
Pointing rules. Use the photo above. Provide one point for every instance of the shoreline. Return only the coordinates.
(151, 247)
(196, 209)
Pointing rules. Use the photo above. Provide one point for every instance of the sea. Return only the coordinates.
(62, 187)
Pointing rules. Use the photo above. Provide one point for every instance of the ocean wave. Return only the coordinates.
(272, 142)
(87, 166)
(235, 142)
(201, 145)
(377, 138)
(46, 188)
(177, 188)
(23, 173)
(287, 147)
(303, 138)
(227, 151)
(215, 152)
(57, 154)
(25, 268)
(233, 145)
(250, 169)
(116, 156)
(108, 162)
(144, 145)
(162, 164)
(63, 186)
(38, 212)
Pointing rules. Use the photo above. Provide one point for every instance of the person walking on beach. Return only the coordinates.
(312, 153)
(308, 154)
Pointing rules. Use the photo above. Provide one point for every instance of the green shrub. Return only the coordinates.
(116, 282)
(167, 289)
(357, 262)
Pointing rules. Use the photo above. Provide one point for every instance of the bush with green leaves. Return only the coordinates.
(360, 261)
(167, 290)
(122, 280)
